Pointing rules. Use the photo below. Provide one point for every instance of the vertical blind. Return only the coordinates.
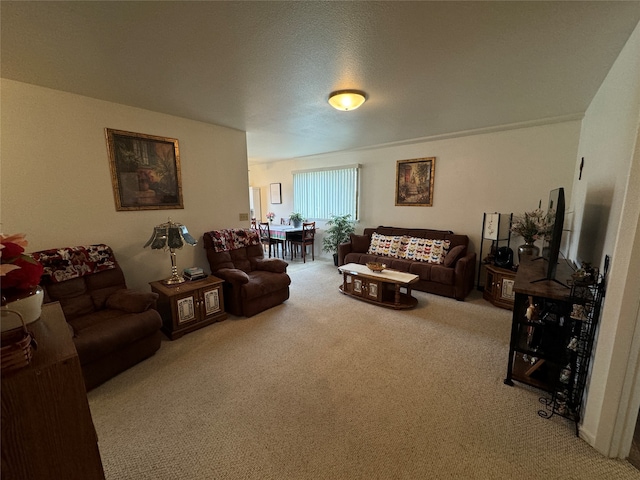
(318, 194)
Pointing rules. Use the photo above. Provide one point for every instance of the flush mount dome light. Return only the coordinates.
(346, 100)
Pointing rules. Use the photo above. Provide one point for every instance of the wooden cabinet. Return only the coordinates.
(47, 430)
(190, 305)
(498, 286)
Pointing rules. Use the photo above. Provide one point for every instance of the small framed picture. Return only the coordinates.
(276, 193)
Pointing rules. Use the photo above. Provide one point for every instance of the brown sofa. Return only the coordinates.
(113, 327)
(452, 278)
(252, 283)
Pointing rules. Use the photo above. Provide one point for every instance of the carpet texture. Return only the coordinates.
(328, 387)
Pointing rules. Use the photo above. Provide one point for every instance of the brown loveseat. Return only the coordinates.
(113, 327)
(252, 283)
(453, 277)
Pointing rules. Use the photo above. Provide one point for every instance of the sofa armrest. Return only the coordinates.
(274, 265)
(465, 269)
(232, 275)
(343, 250)
(131, 301)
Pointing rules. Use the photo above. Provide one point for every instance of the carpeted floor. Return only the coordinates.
(328, 387)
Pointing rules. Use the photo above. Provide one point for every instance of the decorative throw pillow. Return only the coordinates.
(360, 243)
(439, 249)
(388, 246)
(426, 250)
(453, 255)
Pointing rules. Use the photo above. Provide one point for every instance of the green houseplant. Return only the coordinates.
(339, 228)
(296, 219)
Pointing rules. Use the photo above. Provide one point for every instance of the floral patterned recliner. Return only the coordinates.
(252, 283)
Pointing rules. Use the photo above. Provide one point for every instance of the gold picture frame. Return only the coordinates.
(145, 171)
(414, 182)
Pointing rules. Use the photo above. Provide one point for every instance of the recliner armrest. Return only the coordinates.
(274, 265)
(131, 301)
(232, 275)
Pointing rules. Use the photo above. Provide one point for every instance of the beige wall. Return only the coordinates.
(56, 184)
(505, 171)
(607, 204)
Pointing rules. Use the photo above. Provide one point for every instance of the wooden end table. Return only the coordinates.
(379, 288)
(189, 306)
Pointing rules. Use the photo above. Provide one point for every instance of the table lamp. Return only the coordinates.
(170, 236)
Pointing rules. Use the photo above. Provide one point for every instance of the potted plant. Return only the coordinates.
(296, 218)
(339, 228)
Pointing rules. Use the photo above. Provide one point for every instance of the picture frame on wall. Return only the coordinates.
(276, 193)
(145, 171)
(414, 182)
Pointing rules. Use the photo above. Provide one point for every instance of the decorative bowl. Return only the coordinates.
(375, 266)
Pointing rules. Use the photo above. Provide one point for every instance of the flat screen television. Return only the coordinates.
(551, 247)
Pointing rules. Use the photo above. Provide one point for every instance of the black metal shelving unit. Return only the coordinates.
(576, 344)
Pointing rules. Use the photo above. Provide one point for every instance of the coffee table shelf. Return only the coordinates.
(379, 288)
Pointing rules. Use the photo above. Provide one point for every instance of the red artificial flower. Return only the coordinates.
(17, 269)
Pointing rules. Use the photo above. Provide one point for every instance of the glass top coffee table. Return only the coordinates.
(380, 288)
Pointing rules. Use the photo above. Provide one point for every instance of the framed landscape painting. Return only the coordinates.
(414, 182)
(145, 171)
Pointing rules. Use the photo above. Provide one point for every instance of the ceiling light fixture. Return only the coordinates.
(346, 100)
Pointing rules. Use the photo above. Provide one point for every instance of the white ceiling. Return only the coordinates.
(429, 68)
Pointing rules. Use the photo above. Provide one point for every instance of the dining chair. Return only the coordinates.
(285, 221)
(267, 240)
(304, 239)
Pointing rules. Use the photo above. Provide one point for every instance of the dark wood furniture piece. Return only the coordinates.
(552, 333)
(303, 239)
(267, 240)
(498, 286)
(47, 431)
(189, 306)
(379, 288)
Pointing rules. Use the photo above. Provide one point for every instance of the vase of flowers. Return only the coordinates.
(271, 216)
(531, 226)
(21, 291)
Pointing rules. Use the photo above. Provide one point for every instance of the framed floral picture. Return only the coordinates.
(145, 171)
(414, 182)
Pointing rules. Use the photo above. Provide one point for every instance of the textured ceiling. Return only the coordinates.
(429, 68)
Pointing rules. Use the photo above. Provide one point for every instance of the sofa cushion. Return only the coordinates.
(454, 254)
(360, 243)
(389, 246)
(104, 332)
(423, 270)
(262, 283)
(398, 264)
(73, 296)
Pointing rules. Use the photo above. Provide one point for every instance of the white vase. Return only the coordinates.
(28, 306)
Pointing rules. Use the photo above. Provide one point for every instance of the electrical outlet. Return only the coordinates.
(244, 217)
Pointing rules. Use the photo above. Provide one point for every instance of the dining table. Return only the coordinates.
(281, 232)
(284, 233)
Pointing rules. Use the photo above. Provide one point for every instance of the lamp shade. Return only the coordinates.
(170, 235)
(346, 100)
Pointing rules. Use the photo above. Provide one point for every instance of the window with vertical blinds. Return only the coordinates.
(318, 194)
